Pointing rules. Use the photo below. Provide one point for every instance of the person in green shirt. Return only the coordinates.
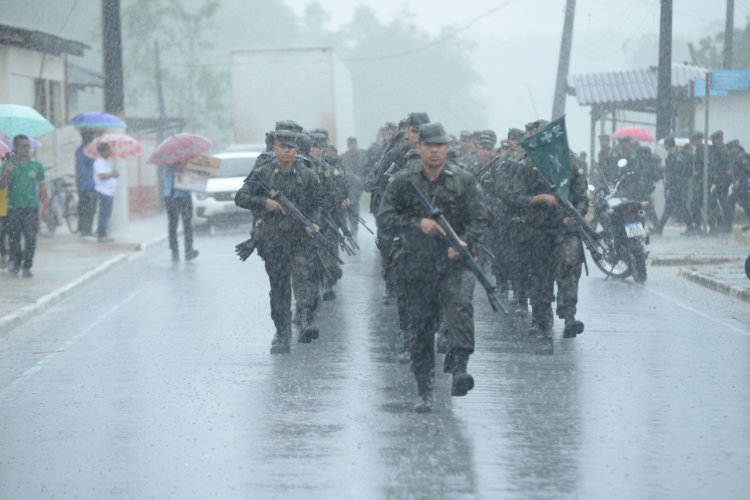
(24, 178)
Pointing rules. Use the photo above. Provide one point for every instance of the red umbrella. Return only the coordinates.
(179, 148)
(635, 133)
(123, 145)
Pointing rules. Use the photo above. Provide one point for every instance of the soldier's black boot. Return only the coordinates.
(424, 391)
(573, 327)
(328, 293)
(541, 320)
(280, 342)
(462, 381)
(309, 331)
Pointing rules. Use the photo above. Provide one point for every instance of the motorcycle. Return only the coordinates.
(620, 224)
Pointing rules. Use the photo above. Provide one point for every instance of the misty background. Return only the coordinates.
(471, 65)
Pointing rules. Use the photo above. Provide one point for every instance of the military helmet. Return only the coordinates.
(318, 139)
(417, 119)
(433, 133)
(286, 137)
(288, 125)
(515, 133)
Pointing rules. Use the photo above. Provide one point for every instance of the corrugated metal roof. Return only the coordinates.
(627, 86)
(78, 76)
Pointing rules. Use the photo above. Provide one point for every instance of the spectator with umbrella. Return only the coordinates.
(90, 125)
(174, 153)
(24, 178)
(86, 185)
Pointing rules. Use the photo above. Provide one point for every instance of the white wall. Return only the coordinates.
(729, 114)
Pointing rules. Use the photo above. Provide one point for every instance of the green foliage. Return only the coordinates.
(191, 83)
(396, 68)
(710, 50)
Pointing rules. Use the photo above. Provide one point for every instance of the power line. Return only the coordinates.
(622, 46)
(436, 42)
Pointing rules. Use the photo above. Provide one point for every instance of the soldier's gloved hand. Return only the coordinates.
(430, 227)
(314, 228)
(547, 199)
(274, 206)
(569, 221)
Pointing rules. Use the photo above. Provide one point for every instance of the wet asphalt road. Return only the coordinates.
(155, 381)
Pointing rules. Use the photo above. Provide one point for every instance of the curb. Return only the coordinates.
(715, 284)
(10, 321)
(693, 261)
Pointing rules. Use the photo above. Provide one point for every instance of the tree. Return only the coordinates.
(397, 68)
(709, 52)
(192, 83)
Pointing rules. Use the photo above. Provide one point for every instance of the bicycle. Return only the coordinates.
(62, 203)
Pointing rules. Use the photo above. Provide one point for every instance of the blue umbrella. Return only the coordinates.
(97, 119)
(16, 119)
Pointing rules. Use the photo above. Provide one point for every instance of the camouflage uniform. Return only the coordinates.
(434, 282)
(676, 175)
(554, 249)
(283, 244)
(740, 163)
(355, 166)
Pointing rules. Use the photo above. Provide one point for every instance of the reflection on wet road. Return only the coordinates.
(155, 381)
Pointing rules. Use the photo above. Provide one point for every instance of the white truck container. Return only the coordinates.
(310, 86)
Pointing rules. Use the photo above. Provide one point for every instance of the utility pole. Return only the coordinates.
(159, 95)
(561, 85)
(729, 35)
(114, 97)
(664, 78)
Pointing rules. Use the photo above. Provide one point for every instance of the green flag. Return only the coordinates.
(549, 150)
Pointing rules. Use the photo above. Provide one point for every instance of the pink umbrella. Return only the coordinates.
(123, 146)
(635, 133)
(179, 148)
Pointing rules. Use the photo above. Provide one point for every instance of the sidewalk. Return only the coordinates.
(65, 261)
(717, 263)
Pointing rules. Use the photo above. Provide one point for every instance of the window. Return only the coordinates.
(48, 100)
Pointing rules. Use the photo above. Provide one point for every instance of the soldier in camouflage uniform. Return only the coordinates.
(550, 241)
(500, 237)
(740, 163)
(354, 161)
(720, 178)
(333, 201)
(437, 281)
(676, 174)
(283, 243)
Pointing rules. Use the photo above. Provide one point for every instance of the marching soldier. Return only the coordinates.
(437, 280)
(283, 243)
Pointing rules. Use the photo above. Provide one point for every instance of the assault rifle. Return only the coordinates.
(343, 236)
(450, 234)
(362, 223)
(589, 237)
(292, 211)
